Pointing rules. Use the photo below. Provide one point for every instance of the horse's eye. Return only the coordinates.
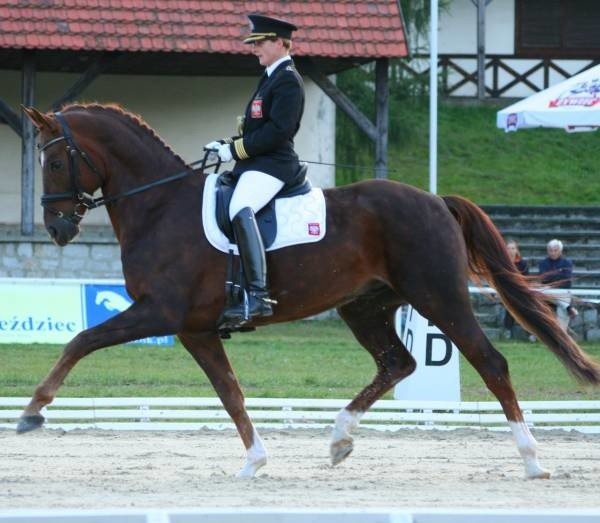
(55, 165)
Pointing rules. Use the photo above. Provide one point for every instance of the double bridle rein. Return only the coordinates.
(84, 201)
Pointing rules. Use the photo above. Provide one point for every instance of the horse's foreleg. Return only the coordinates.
(208, 351)
(139, 321)
(372, 322)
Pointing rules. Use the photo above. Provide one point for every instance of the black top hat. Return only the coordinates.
(265, 27)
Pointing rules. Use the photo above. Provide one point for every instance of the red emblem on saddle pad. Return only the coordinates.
(256, 108)
(314, 229)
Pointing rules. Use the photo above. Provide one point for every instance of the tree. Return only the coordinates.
(354, 151)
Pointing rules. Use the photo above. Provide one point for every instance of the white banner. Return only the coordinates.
(45, 311)
(437, 377)
(39, 312)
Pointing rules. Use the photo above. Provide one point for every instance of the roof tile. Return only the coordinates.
(328, 28)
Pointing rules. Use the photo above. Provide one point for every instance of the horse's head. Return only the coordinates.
(69, 174)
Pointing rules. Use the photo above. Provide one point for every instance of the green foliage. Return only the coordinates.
(355, 152)
(311, 359)
(353, 148)
(416, 15)
(476, 159)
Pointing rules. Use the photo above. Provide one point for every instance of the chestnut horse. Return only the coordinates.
(386, 244)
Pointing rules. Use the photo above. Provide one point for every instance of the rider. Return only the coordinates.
(263, 152)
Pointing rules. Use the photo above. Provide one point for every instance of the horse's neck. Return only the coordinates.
(145, 213)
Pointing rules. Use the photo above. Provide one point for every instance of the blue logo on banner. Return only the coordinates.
(102, 302)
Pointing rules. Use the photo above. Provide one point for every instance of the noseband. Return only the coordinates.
(83, 201)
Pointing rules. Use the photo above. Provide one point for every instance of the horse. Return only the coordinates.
(387, 244)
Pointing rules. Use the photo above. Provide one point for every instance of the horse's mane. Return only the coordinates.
(118, 110)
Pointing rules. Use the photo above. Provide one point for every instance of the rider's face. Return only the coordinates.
(268, 51)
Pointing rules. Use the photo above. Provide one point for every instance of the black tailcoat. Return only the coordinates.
(271, 121)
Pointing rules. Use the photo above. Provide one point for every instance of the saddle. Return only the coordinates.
(266, 217)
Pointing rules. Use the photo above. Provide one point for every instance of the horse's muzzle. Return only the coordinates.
(62, 231)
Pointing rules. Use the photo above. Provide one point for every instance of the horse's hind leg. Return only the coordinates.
(455, 318)
(207, 350)
(371, 319)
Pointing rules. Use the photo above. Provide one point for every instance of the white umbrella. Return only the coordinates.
(573, 105)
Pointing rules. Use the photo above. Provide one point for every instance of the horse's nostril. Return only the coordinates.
(62, 231)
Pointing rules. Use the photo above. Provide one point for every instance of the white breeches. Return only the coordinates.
(254, 189)
(561, 297)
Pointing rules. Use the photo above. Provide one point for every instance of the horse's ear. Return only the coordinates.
(39, 119)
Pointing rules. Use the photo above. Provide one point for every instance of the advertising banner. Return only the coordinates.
(39, 312)
(102, 301)
(437, 377)
(42, 311)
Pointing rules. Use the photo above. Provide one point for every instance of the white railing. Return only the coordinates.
(584, 295)
(195, 413)
(301, 515)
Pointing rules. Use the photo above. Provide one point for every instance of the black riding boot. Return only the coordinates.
(252, 254)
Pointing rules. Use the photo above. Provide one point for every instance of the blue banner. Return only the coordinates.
(101, 302)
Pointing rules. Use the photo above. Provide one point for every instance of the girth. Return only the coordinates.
(266, 217)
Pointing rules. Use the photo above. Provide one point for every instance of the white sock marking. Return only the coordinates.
(345, 422)
(528, 449)
(256, 457)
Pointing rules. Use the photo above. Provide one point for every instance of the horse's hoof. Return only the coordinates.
(29, 423)
(340, 450)
(539, 474)
(251, 468)
(533, 469)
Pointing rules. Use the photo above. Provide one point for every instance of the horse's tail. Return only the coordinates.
(489, 260)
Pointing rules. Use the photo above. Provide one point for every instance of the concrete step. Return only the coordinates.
(566, 211)
(556, 223)
(578, 236)
(532, 227)
(581, 263)
(578, 227)
(581, 249)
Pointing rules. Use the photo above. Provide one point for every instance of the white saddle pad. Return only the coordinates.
(300, 219)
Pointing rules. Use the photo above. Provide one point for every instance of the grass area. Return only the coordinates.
(478, 160)
(312, 359)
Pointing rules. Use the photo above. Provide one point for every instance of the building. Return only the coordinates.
(524, 45)
(182, 66)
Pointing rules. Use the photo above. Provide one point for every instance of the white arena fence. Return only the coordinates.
(585, 295)
(173, 413)
(294, 515)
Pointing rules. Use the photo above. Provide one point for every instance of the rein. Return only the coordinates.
(102, 200)
(85, 200)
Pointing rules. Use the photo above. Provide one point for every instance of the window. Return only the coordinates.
(557, 28)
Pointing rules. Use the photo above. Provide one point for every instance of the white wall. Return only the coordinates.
(458, 27)
(458, 35)
(186, 112)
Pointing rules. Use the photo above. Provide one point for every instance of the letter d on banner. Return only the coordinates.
(437, 377)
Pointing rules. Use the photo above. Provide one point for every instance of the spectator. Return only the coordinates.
(515, 255)
(557, 270)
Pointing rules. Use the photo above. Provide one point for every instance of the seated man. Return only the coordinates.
(557, 270)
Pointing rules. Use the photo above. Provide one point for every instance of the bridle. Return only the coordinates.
(84, 201)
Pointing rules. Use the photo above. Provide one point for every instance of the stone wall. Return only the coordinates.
(490, 313)
(95, 254)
